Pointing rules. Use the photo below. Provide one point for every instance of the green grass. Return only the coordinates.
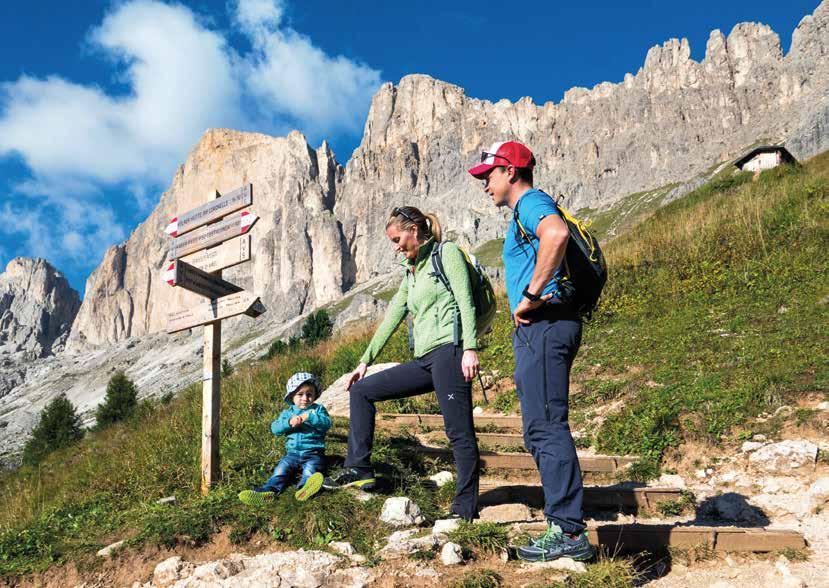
(489, 253)
(480, 538)
(625, 213)
(688, 342)
(479, 579)
(606, 573)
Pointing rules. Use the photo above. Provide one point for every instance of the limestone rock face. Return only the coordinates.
(672, 120)
(37, 307)
(297, 245)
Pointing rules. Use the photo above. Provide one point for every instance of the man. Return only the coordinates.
(545, 341)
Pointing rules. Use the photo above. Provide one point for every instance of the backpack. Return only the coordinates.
(483, 295)
(585, 269)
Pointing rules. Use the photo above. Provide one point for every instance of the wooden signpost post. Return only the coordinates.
(198, 252)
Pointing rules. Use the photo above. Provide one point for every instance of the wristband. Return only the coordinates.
(530, 296)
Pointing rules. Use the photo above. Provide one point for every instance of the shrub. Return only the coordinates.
(227, 368)
(59, 427)
(120, 400)
(317, 328)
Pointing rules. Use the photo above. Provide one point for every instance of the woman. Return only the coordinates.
(439, 364)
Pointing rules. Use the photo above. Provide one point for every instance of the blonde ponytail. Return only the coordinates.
(434, 226)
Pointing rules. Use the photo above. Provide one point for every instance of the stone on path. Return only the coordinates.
(170, 571)
(442, 478)
(445, 526)
(110, 550)
(451, 554)
(785, 456)
(400, 511)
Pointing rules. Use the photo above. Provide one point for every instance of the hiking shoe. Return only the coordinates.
(311, 486)
(350, 477)
(254, 498)
(554, 544)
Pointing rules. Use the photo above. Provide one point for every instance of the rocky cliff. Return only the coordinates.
(672, 120)
(37, 307)
(297, 245)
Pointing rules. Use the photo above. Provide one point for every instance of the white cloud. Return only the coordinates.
(179, 78)
(293, 79)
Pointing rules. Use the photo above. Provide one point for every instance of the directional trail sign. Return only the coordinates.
(214, 310)
(205, 240)
(232, 226)
(226, 255)
(211, 211)
(184, 275)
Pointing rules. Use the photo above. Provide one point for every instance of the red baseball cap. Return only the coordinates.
(503, 153)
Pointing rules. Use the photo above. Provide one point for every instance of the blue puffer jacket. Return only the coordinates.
(310, 435)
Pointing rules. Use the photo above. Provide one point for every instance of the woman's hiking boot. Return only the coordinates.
(350, 477)
(554, 543)
(311, 486)
(254, 498)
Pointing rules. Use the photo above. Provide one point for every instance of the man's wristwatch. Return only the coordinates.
(529, 295)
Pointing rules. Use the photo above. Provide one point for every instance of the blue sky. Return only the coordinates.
(101, 100)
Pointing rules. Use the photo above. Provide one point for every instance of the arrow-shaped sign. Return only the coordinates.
(221, 256)
(215, 310)
(210, 211)
(184, 275)
(232, 226)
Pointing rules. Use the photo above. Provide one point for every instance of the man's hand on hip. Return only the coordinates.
(525, 307)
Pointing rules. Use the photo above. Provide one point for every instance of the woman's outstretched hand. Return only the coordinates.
(358, 374)
(469, 364)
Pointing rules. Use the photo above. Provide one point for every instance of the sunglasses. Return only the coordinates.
(399, 212)
(485, 155)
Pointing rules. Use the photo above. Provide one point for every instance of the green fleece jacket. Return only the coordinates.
(432, 306)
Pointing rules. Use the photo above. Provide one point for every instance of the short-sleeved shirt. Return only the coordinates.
(520, 256)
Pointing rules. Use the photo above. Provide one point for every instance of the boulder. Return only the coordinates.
(405, 542)
(819, 492)
(785, 456)
(335, 397)
(445, 526)
(400, 511)
(442, 478)
(110, 550)
(451, 554)
(170, 571)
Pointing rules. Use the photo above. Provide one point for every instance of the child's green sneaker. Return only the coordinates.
(312, 486)
(254, 498)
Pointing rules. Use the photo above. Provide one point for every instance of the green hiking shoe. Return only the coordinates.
(312, 486)
(254, 498)
(554, 544)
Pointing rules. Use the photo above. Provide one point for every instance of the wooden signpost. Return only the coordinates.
(207, 238)
(236, 224)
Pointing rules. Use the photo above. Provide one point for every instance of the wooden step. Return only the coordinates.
(485, 439)
(436, 420)
(525, 461)
(595, 497)
(655, 538)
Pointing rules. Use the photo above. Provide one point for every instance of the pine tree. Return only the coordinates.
(120, 400)
(317, 328)
(59, 427)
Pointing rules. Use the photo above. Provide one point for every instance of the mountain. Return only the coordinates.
(321, 229)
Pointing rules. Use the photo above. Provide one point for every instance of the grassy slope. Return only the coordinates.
(690, 335)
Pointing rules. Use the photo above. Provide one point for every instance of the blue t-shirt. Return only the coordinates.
(520, 256)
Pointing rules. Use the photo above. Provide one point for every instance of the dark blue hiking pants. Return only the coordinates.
(305, 463)
(438, 370)
(544, 352)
